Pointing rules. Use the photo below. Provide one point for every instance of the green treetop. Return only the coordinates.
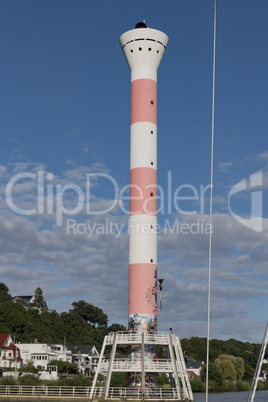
(4, 295)
(39, 300)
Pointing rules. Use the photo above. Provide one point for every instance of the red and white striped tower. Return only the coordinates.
(143, 48)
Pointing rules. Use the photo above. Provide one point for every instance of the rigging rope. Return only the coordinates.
(211, 194)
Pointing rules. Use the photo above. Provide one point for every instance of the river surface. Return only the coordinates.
(260, 396)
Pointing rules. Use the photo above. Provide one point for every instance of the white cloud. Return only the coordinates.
(263, 156)
(224, 166)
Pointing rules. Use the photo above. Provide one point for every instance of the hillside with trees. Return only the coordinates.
(83, 324)
(88, 324)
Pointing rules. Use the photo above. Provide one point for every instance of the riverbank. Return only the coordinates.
(261, 396)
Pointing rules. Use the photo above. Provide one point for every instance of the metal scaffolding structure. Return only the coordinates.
(173, 365)
(254, 384)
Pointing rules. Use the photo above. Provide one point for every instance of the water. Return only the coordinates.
(261, 396)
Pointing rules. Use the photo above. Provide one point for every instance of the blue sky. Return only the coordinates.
(65, 110)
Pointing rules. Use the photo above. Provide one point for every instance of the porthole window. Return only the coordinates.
(152, 132)
(152, 102)
(140, 48)
(131, 50)
(152, 260)
(149, 49)
(151, 194)
(152, 163)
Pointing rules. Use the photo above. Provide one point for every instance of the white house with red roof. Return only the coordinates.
(9, 353)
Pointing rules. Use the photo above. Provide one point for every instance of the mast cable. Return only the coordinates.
(211, 194)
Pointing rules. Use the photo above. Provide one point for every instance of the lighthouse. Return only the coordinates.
(144, 49)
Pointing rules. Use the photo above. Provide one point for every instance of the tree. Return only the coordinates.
(239, 367)
(39, 300)
(116, 328)
(93, 315)
(226, 365)
(249, 372)
(216, 348)
(13, 320)
(187, 347)
(199, 346)
(29, 367)
(214, 373)
(4, 295)
(231, 366)
(196, 384)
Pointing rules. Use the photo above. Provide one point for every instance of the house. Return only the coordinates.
(194, 367)
(26, 301)
(9, 353)
(85, 356)
(41, 354)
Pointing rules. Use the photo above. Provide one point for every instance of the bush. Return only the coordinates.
(118, 380)
(230, 386)
(162, 380)
(29, 368)
(8, 381)
(213, 386)
(262, 385)
(242, 385)
(29, 380)
(76, 381)
(64, 366)
(266, 384)
(197, 385)
(223, 387)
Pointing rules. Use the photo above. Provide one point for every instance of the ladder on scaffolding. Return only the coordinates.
(258, 367)
(186, 386)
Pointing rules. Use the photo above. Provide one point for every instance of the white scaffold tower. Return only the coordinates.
(256, 377)
(173, 365)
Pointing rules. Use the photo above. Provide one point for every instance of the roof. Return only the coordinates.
(191, 374)
(80, 349)
(26, 298)
(3, 338)
(194, 364)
